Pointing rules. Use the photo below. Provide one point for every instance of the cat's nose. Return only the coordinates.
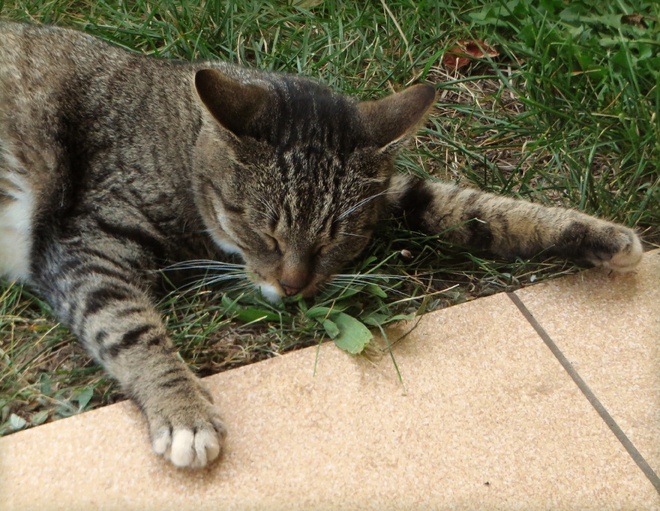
(290, 289)
(295, 274)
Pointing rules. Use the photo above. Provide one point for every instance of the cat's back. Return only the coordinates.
(53, 51)
(43, 74)
(39, 62)
(57, 84)
(42, 67)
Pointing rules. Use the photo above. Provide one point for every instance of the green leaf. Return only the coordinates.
(318, 311)
(376, 290)
(609, 20)
(45, 384)
(353, 335)
(17, 422)
(84, 397)
(228, 304)
(39, 418)
(375, 318)
(349, 291)
(331, 328)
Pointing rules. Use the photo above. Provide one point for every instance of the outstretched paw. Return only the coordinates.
(626, 251)
(189, 436)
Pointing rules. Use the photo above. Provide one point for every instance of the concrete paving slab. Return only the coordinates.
(485, 418)
(608, 327)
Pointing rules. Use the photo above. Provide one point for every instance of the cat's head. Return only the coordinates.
(293, 176)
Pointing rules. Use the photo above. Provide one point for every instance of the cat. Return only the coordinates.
(114, 164)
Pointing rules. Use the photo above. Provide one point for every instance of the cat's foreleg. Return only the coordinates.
(510, 227)
(97, 294)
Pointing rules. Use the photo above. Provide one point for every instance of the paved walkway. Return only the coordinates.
(548, 398)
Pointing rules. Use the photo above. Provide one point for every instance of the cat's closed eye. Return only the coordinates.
(321, 250)
(273, 244)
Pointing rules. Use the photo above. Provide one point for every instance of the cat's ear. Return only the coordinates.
(233, 104)
(390, 120)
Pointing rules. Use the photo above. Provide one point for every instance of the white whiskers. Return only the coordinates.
(204, 264)
(213, 273)
(357, 206)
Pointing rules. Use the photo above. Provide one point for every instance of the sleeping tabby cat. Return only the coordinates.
(113, 164)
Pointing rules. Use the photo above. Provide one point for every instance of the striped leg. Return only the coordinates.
(103, 300)
(510, 227)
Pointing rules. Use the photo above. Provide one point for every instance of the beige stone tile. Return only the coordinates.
(608, 327)
(486, 418)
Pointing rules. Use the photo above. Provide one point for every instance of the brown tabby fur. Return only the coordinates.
(113, 164)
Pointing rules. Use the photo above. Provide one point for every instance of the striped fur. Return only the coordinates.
(113, 164)
(515, 228)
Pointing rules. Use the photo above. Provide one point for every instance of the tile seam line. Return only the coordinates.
(588, 393)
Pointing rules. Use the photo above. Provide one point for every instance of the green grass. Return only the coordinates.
(566, 114)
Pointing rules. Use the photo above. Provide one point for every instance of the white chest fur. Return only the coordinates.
(16, 211)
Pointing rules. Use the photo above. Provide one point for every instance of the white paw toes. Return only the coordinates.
(627, 259)
(207, 447)
(614, 247)
(161, 441)
(182, 453)
(186, 447)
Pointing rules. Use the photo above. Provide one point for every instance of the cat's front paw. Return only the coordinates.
(189, 435)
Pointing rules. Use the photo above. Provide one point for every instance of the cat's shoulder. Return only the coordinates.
(13, 31)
